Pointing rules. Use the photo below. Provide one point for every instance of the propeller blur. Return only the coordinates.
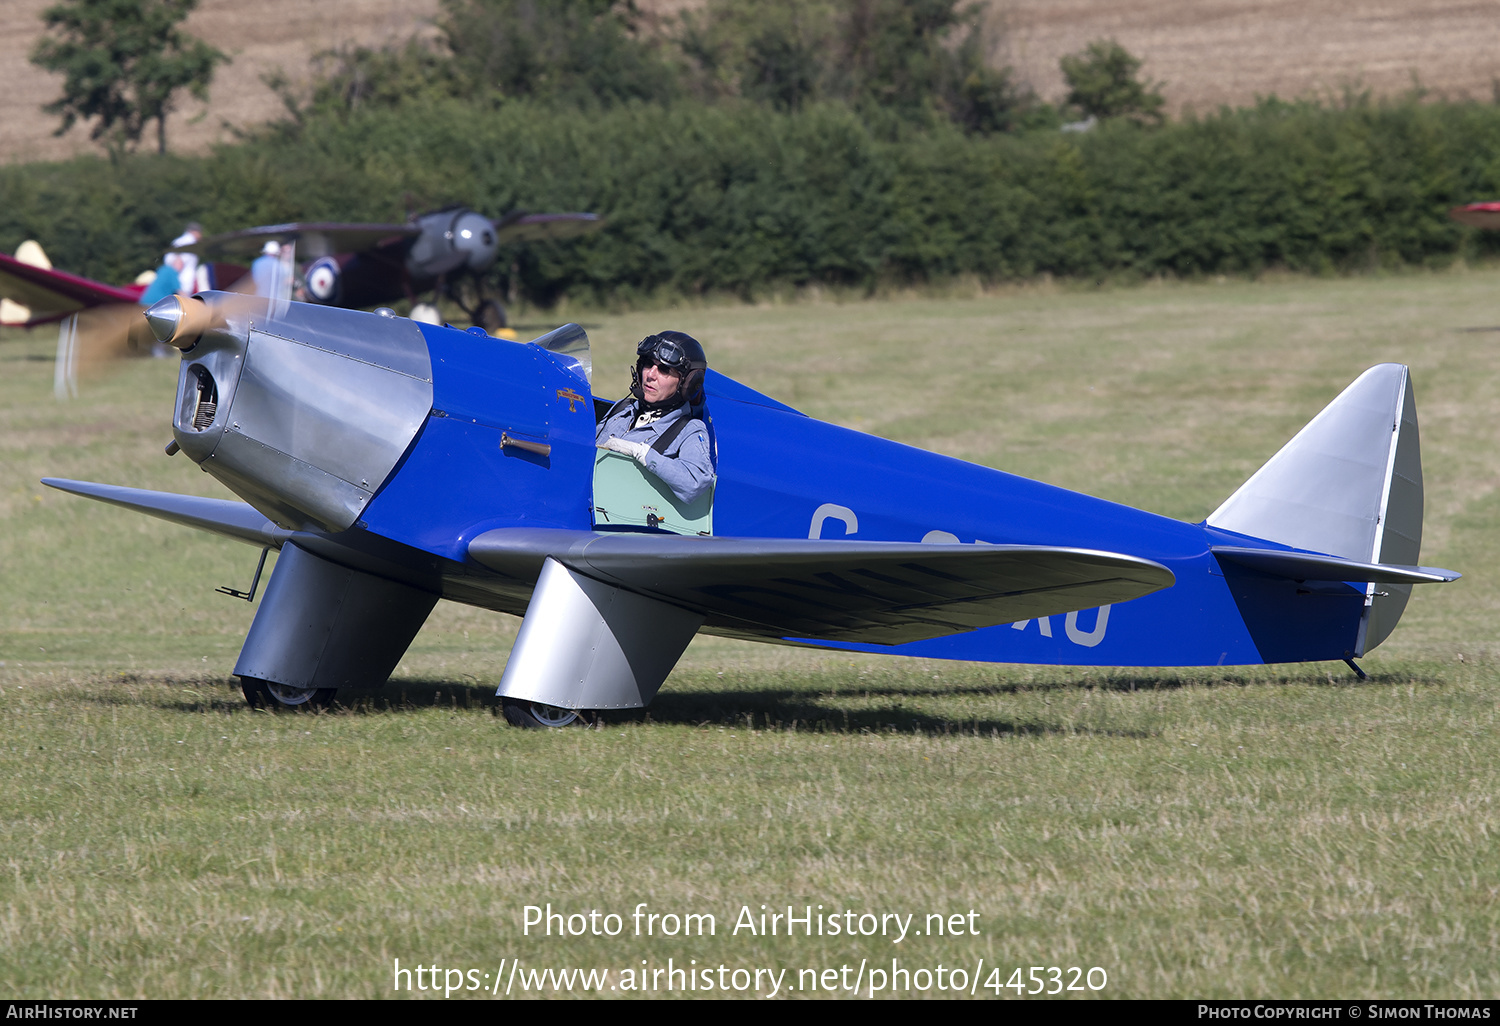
(98, 324)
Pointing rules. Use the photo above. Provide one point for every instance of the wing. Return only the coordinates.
(51, 295)
(1477, 215)
(237, 520)
(314, 239)
(519, 226)
(884, 593)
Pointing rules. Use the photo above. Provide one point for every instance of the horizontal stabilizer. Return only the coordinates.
(235, 520)
(1302, 566)
(884, 593)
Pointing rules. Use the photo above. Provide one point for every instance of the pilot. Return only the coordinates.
(662, 424)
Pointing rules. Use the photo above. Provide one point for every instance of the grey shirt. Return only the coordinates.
(688, 466)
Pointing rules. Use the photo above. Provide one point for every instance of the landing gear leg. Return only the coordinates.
(483, 312)
(490, 316)
(429, 312)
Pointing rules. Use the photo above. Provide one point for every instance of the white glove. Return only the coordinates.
(635, 450)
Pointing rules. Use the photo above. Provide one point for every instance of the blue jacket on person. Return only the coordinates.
(165, 284)
(689, 463)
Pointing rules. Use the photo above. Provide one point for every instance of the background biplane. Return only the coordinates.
(1477, 215)
(394, 463)
(444, 253)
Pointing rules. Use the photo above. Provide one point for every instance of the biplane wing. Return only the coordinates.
(50, 295)
(519, 226)
(314, 239)
(1477, 215)
(317, 239)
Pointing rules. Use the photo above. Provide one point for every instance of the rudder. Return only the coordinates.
(1349, 484)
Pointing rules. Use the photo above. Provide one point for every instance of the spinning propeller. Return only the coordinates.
(91, 340)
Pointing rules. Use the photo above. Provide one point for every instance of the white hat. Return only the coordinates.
(272, 248)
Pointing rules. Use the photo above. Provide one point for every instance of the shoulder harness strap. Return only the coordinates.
(670, 434)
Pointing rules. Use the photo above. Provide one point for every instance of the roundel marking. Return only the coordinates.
(323, 281)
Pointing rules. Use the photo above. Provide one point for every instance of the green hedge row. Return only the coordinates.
(703, 199)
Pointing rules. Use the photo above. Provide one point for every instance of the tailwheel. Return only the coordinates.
(266, 694)
(536, 716)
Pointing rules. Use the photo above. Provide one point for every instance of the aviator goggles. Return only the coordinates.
(663, 352)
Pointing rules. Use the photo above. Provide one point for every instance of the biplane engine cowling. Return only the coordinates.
(303, 411)
(453, 240)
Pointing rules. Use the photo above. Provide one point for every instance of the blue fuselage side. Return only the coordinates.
(786, 475)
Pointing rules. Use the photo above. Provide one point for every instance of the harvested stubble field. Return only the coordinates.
(1203, 53)
(1283, 831)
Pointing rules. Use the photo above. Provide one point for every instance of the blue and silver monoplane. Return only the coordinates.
(395, 463)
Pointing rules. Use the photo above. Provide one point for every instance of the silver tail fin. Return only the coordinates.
(1349, 484)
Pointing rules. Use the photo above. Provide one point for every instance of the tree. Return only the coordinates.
(895, 53)
(122, 62)
(776, 52)
(578, 52)
(349, 77)
(917, 59)
(1102, 83)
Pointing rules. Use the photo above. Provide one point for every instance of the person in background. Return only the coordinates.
(191, 276)
(165, 283)
(267, 269)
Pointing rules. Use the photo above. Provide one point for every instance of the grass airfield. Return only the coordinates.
(1269, 832)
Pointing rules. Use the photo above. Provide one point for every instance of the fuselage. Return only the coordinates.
(387, 447)
(783, 474)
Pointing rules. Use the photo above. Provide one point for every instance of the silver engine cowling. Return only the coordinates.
(303, 411)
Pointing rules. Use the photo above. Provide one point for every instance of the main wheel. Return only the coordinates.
(490, 316)
(265, 694)
(536, 716)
